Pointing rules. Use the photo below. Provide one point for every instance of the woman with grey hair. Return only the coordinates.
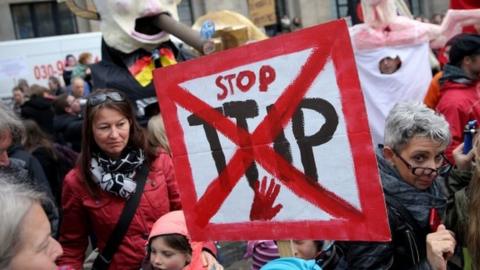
(11, 124)
(24, 228)
(409, 164)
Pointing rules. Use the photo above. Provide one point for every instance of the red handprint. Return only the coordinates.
(262, 206)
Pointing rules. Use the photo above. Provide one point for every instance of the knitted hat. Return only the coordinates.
(262, 252)
(464, 45)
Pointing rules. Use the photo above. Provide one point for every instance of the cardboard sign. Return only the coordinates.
(262, 12)
(271, 141)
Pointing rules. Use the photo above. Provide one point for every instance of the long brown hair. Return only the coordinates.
(472, 237)
(137, 138)
(35, 138)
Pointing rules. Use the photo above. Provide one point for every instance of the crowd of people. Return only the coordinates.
(84, 186)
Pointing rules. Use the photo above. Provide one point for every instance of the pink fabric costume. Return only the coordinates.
(386, 34)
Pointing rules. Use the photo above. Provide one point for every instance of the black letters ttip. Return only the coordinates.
(306, 143)
(213, 140)
(242, 110)
(280, 144)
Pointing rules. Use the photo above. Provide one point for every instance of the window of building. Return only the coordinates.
(280, 8)
(185, 13)
(42, 19)
(349, 9)
(343, 7)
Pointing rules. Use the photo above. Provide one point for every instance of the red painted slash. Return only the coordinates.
(273, 123)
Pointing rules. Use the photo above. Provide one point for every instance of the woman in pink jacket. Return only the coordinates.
(95, 192)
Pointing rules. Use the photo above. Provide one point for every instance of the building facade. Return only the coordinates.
(21, 19)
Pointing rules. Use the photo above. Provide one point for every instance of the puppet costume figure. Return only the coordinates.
(386, 34)
(132, 73)
(129, 36)
(130, 33)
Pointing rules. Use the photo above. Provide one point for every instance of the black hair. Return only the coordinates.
(319, 244)
(463, 45)
(68, 56)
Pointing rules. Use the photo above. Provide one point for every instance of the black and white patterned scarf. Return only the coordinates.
(116, 176)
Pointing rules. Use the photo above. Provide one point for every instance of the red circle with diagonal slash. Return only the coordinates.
(349, 222)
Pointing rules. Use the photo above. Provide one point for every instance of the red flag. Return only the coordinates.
(465, 4)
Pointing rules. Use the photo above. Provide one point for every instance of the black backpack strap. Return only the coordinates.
(104, 259)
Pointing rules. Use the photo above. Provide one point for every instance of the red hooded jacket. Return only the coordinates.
(459, 103)
(83, 214)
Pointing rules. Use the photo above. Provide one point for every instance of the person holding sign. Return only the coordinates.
(409, 163)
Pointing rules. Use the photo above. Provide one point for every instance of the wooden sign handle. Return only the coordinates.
(285, 248)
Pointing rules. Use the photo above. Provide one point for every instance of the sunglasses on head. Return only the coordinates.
(101, 98)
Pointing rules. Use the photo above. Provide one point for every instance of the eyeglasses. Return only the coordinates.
(424, 171)
(97, 99)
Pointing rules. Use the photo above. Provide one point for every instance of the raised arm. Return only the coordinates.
(452, 24)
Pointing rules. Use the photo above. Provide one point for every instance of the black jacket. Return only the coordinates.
(67, 77)
(49, 164)
(40, 110)
(407, 210)
(407, 250)
(68, 130)
(22, 162)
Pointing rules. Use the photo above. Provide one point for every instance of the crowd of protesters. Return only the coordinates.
(74, 161)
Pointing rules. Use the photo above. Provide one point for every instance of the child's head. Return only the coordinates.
(85, 58)
(168, 245)
(307, 249)
(169, 251)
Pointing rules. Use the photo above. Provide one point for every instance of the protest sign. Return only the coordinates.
(271, 141)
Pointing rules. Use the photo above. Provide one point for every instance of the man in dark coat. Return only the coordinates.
(67, 122)
(39, 109)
